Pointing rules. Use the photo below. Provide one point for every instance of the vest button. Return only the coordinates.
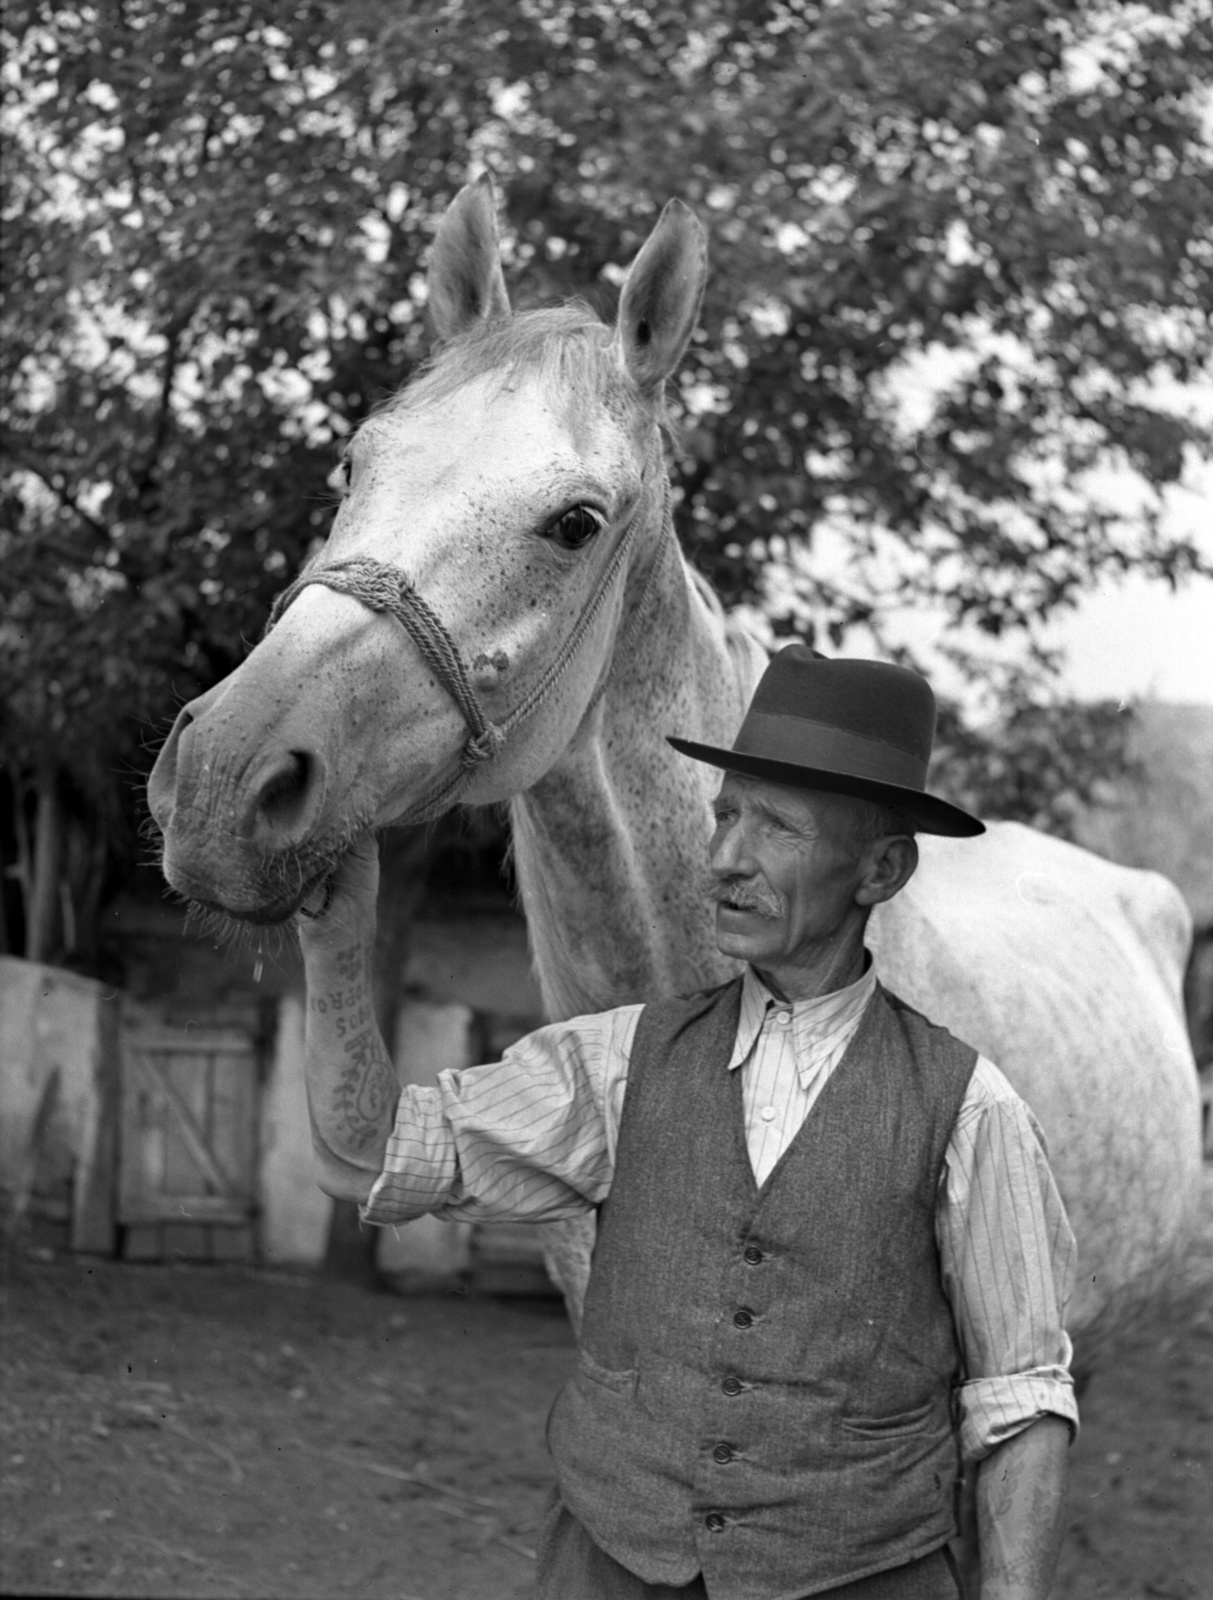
(713, 1522)
(743, 1318)
(731, 1385)
(752, 1255)
(722, 1453)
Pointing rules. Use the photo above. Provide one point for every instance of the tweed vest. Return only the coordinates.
(765, 1385)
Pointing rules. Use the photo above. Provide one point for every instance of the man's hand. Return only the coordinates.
(1021, 1502)
(352, 1087)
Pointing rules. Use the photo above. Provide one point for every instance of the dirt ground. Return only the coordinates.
(217, 1431)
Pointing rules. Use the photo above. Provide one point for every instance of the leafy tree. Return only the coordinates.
(217, 216)
(1042, 761)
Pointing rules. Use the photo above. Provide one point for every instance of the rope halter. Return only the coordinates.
(385, 588)
(382, 587)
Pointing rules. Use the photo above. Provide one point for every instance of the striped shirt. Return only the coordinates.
(532, 1138)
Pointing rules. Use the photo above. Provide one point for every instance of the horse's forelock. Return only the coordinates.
(562, 345)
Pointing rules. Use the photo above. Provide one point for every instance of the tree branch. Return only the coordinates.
(143, 479)
(15, 449)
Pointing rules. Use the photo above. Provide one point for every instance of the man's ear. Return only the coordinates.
(889, 864)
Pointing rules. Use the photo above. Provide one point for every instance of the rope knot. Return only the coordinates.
(483, 746)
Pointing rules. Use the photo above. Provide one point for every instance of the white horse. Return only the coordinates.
(502, 611)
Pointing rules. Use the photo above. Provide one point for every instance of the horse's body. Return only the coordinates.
(505, 482)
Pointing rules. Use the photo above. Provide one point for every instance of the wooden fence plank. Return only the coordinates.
(95, 1185)
(218, 1210)
(185, 1242)
(143, 1243)
(161, 1036)
(190, 1132)
(188, 1176)
(233, 1111)
(187, 1071)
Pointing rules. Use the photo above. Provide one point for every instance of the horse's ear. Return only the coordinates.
(660, 299)
(465, 281)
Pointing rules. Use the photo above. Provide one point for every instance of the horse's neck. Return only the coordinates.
(610, 845)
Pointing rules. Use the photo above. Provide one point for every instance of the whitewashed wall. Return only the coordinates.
(58, 1093)
(294, 1222)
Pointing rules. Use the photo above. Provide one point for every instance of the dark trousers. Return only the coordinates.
(570, 1566)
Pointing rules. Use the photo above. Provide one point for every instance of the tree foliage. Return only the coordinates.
(1046, 763)
(961, 260)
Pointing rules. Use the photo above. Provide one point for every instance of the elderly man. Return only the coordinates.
(831, 1259)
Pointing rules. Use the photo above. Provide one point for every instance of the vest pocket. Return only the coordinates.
(893, 1425)
(616, 1380)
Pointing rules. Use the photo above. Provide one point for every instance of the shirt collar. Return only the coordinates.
(814, 1022)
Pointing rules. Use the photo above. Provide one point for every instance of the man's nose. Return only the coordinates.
(728, 855)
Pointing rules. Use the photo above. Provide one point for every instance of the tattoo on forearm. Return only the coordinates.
(1021, 1509)
(353, 963)
(354, 992)
(364, 1093)
(366, 1084)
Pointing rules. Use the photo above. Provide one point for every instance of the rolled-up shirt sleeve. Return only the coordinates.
(529, 1138)
(1008, 1260)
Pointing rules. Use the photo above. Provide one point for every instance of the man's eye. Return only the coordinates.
(575, 527)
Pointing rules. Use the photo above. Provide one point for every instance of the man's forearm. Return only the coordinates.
(352, 1087)
(1021, 1502)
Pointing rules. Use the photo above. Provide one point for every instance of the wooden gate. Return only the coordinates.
(188, 1168)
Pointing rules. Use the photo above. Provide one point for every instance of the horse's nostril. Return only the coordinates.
(284, 789)
(162, 783)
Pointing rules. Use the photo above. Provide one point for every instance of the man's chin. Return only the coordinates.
(743, 935)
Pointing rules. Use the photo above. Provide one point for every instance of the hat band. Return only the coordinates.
(800, 742)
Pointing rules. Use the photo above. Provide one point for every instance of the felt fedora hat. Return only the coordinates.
(862, 728)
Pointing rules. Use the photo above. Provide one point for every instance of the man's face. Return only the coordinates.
(785, 865)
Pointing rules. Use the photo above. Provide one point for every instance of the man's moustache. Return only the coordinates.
(743, 896)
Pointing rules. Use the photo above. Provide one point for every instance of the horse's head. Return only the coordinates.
(501, 502)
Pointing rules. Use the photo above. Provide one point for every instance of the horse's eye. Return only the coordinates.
(575, 527)
(342, 473)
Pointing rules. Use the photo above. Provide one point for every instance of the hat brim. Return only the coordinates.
(929, 813)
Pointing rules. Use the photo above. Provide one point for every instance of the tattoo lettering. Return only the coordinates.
(365, 1087)
(354, 970)
(352, 962)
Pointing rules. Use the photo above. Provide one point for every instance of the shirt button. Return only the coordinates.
(713, 1522)
(731, 1385)
(752, 1255)
(768, 1113)
(783, 1018)
(743, 1318)
(722, 1453)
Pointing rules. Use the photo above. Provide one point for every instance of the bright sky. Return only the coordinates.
(1139, 638)
(1132, 639)
(1128, 639)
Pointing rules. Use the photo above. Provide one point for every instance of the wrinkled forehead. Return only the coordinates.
(818, 811)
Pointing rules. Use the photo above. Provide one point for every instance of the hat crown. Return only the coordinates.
(872, 699)
(860, 728)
